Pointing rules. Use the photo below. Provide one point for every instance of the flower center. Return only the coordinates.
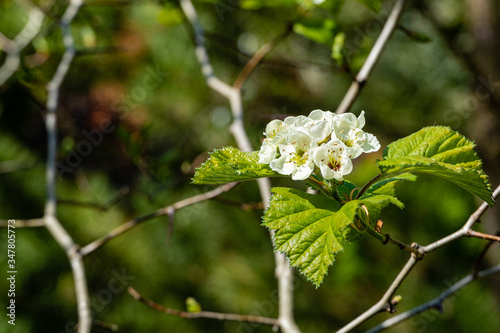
(334, 164)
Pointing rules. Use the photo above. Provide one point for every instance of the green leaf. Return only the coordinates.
(387, 186)
(231, 165)
(442, 152)
(347, 190)
(316, 29)
(311, 229)
(337, 47)
(192, 305)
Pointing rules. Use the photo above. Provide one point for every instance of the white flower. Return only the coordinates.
(332, 160)
(295, 159)
(298, 146)
(275, 133)
(348, 129)
(322, 126)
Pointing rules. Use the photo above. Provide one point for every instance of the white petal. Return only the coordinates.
(371, 143)
(267, 153)
(302, 172)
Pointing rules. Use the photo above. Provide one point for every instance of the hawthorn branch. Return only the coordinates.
(203, 314)
(374, 55)
(283, 272)
(466, 230)
(257, 58)
(168, 210)
(384, 303)
(32, 223)
(436, 303)
(14, 47)
(58, 232)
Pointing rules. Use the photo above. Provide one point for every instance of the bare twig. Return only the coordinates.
(466, 230)
(50, 216)
(203, 314)
(376, 51)
(257, 58)
(436, 303)
(477, 234)
(384, 303)
(110, 327)
(283, 272)
(402, 246)
(14, 47)
(89, 248)
(24, 223)
(480, 258)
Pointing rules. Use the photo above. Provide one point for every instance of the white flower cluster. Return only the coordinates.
(323, 141)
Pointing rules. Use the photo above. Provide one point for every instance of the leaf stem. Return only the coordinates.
(367, 185)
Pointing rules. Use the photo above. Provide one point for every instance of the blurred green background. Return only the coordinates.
(136, 67)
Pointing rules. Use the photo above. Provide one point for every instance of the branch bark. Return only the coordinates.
(385, 304)
(283, 272)
(373, 57)
(436, 303)
(202, 314)
(168, 210)
(14, 47)
(52, 223)
(33, 223)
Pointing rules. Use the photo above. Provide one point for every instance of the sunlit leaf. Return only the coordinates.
(442, 152)
(318, 30)
(231, 165)
(311, 229)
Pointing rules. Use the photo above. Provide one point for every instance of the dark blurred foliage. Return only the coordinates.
(136, 95)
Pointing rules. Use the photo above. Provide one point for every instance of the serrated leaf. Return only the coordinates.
(231, 165)
(442, 152)
(311, 229)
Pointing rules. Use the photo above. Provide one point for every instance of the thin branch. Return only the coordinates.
(480, 259)
(402, 246)
(52, 223)
(384, 303)
(466, 230)
(283, 272)
(436, 303)
(257, 58)
(477, 234)
(91, 247)
(203, 314)
(110, 327)
(373, 57)
(33, 223)
(14, 47)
